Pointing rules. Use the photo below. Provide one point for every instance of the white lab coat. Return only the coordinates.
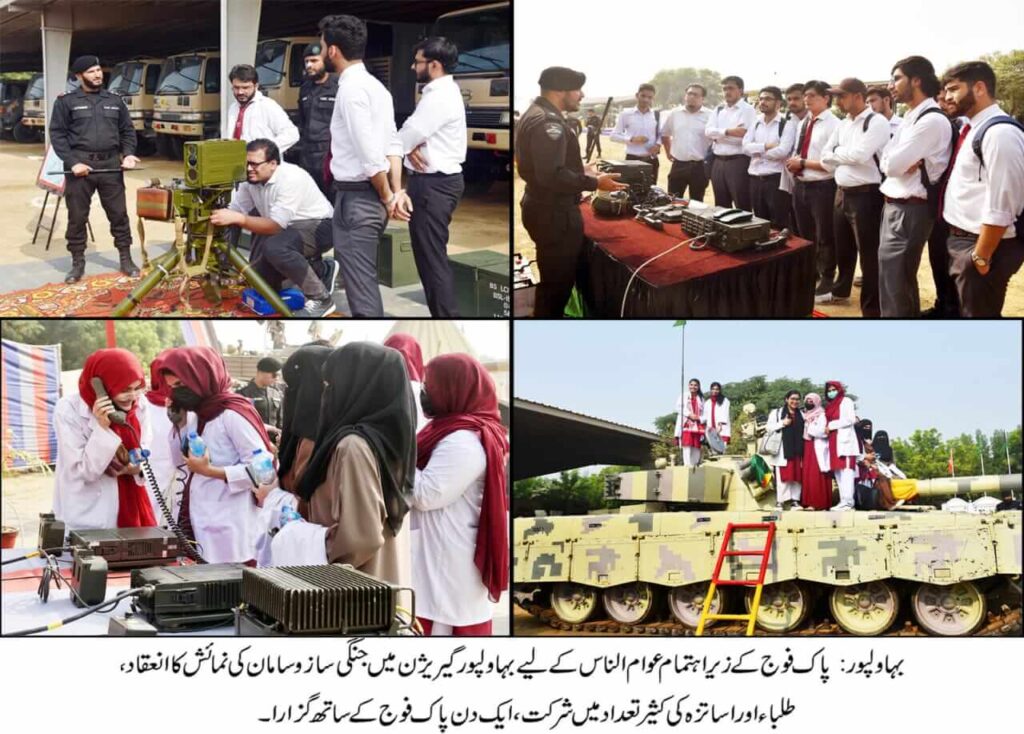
(846, 441)
(817, 430)
(83, 496)
(680, 412)
(224, 515)
(775, 424)
(421, 420)
(721, 417)
(160, 462)
(447, 497)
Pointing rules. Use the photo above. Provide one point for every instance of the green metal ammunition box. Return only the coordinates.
(396, 265)
(482, 283)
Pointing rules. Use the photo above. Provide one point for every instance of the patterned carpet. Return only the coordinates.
(98, 295)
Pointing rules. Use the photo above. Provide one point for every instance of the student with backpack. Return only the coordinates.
(983, 201)
(914, 164)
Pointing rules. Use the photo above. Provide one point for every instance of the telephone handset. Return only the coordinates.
(115, 416)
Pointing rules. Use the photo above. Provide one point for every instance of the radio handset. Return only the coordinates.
(115, 416)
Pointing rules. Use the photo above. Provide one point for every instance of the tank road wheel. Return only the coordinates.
(687, 602)
(573, 603)
(784, 606)
(629, 603)
(865, 609)
(948, 611)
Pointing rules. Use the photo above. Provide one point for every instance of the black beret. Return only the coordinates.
(561, 79)
(268, 364)
(312, 49)
(84, 63)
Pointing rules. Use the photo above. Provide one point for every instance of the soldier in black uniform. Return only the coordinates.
(548, 159)
(265, 395)
(91, 129)
(316, 106)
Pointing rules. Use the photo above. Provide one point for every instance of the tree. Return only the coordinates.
(670, 85)
(1009, 69)
(80, 338)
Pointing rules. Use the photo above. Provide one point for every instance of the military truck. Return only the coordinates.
(279, 65)
(659, 552)
(12, 96)
(35, 105)
(186, 105)
(135, 81)
(482, 35)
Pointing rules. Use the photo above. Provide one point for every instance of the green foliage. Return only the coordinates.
(571, 493)
(80, 338)
(671, 86)
(1009, 69)
(925, 455)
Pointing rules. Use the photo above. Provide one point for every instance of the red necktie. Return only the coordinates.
(807, 143)
(956, 151)
(238, 122)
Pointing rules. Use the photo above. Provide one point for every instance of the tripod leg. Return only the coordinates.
(41, 213)
(161, 269)
(257, 282)
(53, 223)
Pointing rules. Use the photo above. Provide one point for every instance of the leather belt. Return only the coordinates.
(911, 200)
(729, 157)
(865, 189)
(957, 232)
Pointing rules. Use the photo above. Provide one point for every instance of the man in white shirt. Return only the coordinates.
(795, 113)
(814, 190)
(853, 155)
(366, 162)
(880, 101)
(769, 143)
(686, 144)
(253, 115)
(726, 127)
(907, 217)
(291, 226)
(434, 143)
(984, 198)
(637, 127)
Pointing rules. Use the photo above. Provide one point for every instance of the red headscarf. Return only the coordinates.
(159, 391)
(117, 369)
(464, 398)
(410, 349)
(202, 370)
(832, 413)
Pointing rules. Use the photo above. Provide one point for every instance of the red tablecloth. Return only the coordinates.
(688, 283)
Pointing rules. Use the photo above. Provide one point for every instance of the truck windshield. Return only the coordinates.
(127, 78)
(35, 89)
(270, 62)
(482, 38)
(180, 75)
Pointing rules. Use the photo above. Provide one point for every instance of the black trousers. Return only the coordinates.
(690, 174)
(814, 203)
(313, 163)
(434, 198)
(78, 191)
(730, 181)
(652, 159)
(947, 302)
(764, 191)
(590, 141)
(786, 213)
(294, 254)
(556, 228)
(983, 296)
(856, 222)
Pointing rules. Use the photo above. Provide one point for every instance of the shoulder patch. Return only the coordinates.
(553, 130)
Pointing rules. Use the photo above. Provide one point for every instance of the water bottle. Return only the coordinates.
(262, 464)
(136, 456)
(196, 445)
(289, 514)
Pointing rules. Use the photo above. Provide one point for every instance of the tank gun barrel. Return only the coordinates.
(952, 486)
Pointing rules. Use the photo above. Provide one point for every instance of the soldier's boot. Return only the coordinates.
(77, 268)
(128, 267)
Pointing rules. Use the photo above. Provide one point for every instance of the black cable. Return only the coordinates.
(147, 472)
(84, 613)
(36, 553)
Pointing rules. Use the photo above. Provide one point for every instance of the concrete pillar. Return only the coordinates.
(239, 28)
(56, 27)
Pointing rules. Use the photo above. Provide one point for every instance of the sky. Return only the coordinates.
(619, 45)
(953, 376)
(488, 338)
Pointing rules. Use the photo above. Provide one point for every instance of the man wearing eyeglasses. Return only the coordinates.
(291, 222)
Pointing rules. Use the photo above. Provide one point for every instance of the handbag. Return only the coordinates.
(771, 443)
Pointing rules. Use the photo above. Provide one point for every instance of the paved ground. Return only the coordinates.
(480, 223)
(1014, 300)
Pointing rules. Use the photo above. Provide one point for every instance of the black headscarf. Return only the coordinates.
(880, 444)
(303, 374)
(793, 434)
(368, 394)
(863, 428)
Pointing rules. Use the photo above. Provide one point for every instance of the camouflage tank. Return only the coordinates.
(661, 551)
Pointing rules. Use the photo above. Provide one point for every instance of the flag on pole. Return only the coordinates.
(679, 323)
(31, 387)
(199, 333)
(949, 467)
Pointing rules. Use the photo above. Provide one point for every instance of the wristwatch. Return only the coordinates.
(803, 163)
(978, 259)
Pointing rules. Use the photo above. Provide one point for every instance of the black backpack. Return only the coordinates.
(934, 188)
(976, 147)
(865, 497)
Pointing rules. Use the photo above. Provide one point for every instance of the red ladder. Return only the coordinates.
(758, 585)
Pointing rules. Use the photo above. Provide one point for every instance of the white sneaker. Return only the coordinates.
(841, 508)
(796, 506)
(778, 507)
(858, 281)
(824, 298)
